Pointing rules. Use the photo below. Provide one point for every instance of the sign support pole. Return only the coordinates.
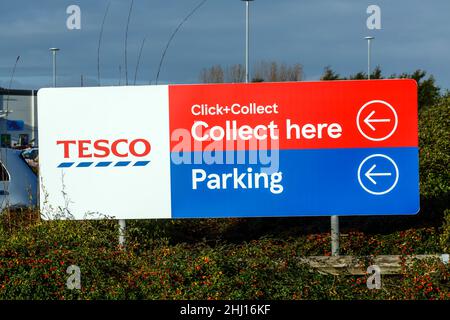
(247, 39)
(122, 230)
(335, 235)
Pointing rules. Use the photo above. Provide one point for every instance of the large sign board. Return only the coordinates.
(230, 150)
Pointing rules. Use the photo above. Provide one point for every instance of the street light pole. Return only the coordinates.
(369, 41)
(247, 39)
(54, 51)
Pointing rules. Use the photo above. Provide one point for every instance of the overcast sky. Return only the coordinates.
(316, 33)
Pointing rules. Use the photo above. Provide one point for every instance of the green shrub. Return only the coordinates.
(34, 260)
(434, 142)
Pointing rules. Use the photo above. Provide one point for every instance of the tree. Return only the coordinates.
(329, 74)
(428, 91)
(376, 73)
(274, 72)
(264, 71)
(434, 130)
(358, 76)
(236, 73)
(214, 74)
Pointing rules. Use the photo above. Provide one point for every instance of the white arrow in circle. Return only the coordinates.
(368, 120)
(369, 174)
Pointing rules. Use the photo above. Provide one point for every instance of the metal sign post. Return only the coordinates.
(334, 235)
(122, 230)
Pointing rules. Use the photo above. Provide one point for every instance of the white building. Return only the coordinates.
(18, 118)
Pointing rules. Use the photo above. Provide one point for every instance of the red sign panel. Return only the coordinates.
(304, 115)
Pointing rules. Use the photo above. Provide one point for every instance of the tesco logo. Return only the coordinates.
(100, 149)
(104, 148)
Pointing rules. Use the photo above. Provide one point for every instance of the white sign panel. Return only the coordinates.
(104, 151)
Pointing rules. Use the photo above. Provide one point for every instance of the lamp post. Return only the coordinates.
(369, 42)
(54, 51)
(247, 38)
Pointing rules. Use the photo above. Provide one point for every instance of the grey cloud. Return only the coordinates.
(415, 35)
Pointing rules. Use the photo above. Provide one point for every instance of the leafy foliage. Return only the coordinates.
(445, 235)
(33, 264)
(434, 133)
(428, 91)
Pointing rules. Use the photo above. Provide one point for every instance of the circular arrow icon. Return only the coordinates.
(378, 174)
(377, 120)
